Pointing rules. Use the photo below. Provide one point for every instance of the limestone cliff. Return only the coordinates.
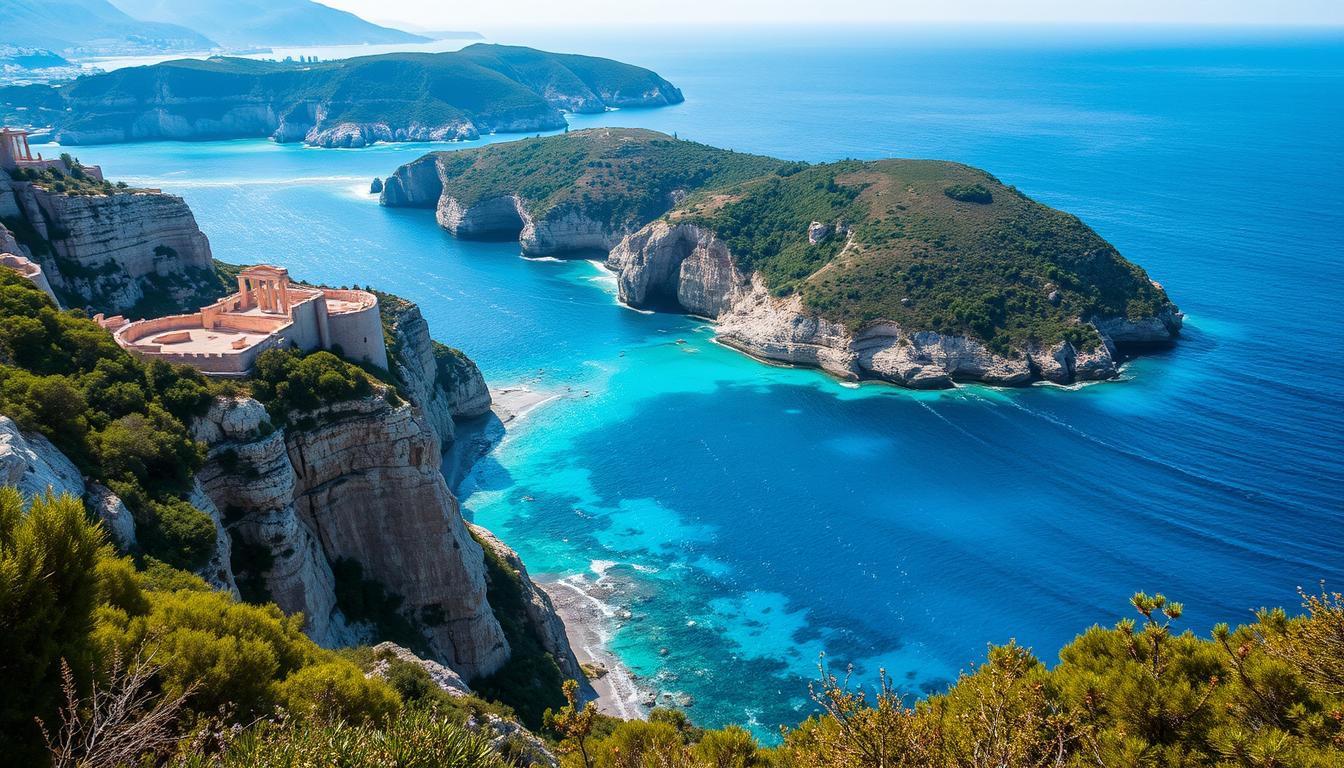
(576, 194)
(442, 381)
(110, 252)
(687, 266)
(359, 482)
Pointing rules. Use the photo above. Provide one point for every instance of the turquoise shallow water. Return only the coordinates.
(750, 516)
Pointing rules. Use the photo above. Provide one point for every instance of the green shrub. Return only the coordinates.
(418, 738)
(48, 591)
(120, 420)
(287, 382)
(177, 533)
(969, 193)
(337, 690)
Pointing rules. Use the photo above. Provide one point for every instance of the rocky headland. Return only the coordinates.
(117, 250)
(579, 194)
(345, 103)
(918, 273)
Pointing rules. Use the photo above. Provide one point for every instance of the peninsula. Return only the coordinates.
(917, 272)
(344, 103)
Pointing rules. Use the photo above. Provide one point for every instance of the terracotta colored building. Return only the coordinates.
(267, 312)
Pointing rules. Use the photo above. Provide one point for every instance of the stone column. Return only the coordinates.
(284, 296)
(27, 153)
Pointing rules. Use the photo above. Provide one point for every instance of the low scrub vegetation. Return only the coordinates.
(621, 176)
(110, 665)
(906, 250)
(74, 180)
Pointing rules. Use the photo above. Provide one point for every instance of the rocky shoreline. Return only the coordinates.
(690, 267)
(580, 602)
(611, 685)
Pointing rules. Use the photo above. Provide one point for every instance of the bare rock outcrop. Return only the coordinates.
(561, 233)
(417, 184)
(360, 481)
(558, 231)
(683, 265)
(111, 250)
(115, 516)
(444, 678)
(444, 383)
(32, 464)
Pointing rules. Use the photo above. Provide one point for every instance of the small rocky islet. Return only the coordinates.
(916, 272)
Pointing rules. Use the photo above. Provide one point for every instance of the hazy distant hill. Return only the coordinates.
(245, 23)
(90, 27)
(348, 102)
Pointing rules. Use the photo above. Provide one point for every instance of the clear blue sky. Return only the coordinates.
(497, 14)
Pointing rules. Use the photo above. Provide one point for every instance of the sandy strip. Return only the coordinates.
(588, 624)
(515, 402)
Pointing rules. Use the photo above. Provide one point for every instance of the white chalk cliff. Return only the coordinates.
(362, 482)
(110, 250)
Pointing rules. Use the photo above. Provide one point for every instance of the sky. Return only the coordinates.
(503, 14)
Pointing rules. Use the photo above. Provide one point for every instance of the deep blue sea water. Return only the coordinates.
(751, 516)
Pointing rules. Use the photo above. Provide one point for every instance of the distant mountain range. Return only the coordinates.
(245, 23)
(90, 27)
(129, 27)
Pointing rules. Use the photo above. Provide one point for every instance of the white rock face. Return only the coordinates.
(417, 184)
(817, 232)
(566, 233)
(363, 484)
(219, 571)
(118, 244)
(455, 390)
(31, 463)
(666, 262)
(446, 679)
(350, 134)
(496, 218)
(114, 514)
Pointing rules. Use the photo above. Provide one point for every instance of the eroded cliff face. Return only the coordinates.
(555, 232)
(363, 482)
(542, 619)
(444, 383)
(356, 481)
(688, 266)
(560, 231)
(108, 252)
(259, 116)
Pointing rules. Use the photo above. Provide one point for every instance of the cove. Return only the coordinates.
(748, 516)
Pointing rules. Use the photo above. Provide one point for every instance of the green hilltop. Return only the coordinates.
(617, 176)
(932, 245)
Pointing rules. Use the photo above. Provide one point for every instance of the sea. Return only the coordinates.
(739, 519)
